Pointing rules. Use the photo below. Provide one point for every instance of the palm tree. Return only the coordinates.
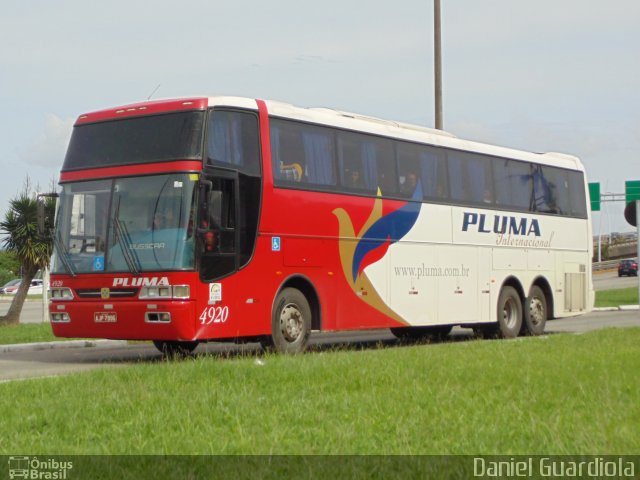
(32, 248)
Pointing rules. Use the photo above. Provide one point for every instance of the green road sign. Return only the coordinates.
(594, 196)
(632, 190)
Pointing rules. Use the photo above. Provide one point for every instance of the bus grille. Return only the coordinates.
(113, 292)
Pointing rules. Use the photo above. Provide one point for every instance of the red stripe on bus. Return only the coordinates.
(126, 170)
(265, 141)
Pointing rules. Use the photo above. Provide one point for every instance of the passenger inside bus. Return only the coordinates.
(487, 197)
(164, 218)
(354, 179)
(409, 184)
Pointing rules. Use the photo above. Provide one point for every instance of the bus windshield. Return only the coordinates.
(133, 224)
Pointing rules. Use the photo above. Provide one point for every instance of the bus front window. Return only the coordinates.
(152, 223)
(81, 226)
(133, 224)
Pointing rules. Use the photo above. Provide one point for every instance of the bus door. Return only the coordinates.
(217, 221)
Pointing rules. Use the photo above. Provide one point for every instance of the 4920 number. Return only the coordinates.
(214, 315)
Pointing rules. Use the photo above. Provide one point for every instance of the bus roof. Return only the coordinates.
(388, 128)
(334, 118)
(144, 108)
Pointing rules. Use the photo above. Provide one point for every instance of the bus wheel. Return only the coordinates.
(509, 313)
(291, 321)
(417, 333)
(535, 312)
(171, 349)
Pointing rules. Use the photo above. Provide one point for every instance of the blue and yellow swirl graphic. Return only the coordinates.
(370, 244)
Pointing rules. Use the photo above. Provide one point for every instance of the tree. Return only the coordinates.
(9, 266)
(32, 248)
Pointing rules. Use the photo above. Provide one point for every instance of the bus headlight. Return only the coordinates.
(59, 317)
(155, 292)
(181, 291)
(165, 291)
(60, 294)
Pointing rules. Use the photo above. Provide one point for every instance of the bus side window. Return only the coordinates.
(217, 214)
(351, 151)
(577, 195)
(366, 163)
(408, 168)
(302, 153)
(215, 209)
(386, 167)
(513, 184)
(470, 178)
(233, 141)
(559, 183)
(424, 164)
(216, 232)
(545, 193)
(434, 175)
(457, 177)
(287, 152)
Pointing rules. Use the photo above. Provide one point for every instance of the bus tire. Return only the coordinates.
(509, 313)
(291, 321)
(418, 333)
(535, 312)
(173, 349)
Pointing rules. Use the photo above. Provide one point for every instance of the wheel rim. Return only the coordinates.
(291, 322)
(536, 311)
(510, 313)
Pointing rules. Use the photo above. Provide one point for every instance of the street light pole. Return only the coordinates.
(437, 63)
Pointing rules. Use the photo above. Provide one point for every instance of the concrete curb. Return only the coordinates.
(629, 307)
(617, 309)
(24, 347)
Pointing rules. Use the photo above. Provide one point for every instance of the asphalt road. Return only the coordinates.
(16, 365)
(32, 310)
(609, 280)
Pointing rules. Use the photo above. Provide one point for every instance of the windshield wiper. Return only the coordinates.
(124, 240)
(64, 254)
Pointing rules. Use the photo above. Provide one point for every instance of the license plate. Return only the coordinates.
(105, 317)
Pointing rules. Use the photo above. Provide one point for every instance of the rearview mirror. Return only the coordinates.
(41, 214)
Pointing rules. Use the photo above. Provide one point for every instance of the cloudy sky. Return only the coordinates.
(538, 75)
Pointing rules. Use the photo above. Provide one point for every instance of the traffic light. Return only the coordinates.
(632, 193)
(630, 213)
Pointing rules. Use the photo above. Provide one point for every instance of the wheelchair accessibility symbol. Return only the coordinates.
(275, 244)
(98, 264)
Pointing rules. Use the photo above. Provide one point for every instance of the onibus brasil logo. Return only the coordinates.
(35, 468)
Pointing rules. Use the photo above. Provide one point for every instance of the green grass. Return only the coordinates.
(558, 394)
(27, 333)
(617, 297)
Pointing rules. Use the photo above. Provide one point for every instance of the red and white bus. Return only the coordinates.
(223, 218)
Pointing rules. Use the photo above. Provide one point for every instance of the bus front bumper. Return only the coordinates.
(148, 320)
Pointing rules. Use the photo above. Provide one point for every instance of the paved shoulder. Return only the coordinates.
(21, 347)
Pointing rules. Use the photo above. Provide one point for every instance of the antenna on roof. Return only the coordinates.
(154, 91)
